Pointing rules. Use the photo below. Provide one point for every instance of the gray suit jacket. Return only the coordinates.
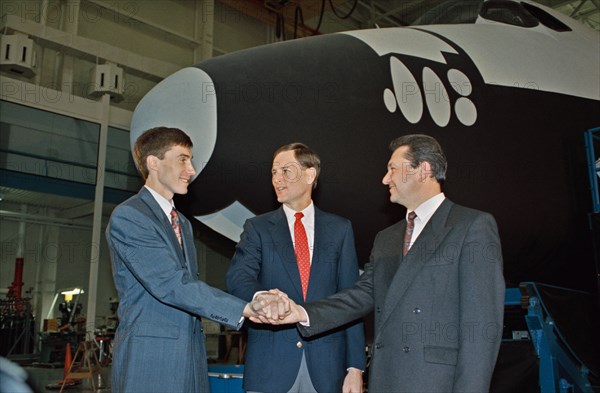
(159, 344)
(438, 310)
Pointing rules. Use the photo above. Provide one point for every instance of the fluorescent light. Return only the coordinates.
(74, 291)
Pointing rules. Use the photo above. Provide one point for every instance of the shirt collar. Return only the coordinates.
(426, 209)
(309, 212)
(164, 204)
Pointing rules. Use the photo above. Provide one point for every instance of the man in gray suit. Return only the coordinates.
(159, 344)
(434, 281)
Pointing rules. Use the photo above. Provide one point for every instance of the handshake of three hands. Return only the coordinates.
(274, 307)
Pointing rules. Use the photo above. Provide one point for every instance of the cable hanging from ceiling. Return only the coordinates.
(349, 12)
(299, 19)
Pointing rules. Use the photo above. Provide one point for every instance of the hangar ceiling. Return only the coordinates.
(408, 12)
(363, 14)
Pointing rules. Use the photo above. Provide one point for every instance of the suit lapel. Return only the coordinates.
(284, 248)
(160, 217)
(187, 238)
(391, 265)
(422, 250)
(321, 240)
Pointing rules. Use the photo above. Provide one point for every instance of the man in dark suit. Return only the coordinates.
(434, 282)
(159, 344)
(269, 255)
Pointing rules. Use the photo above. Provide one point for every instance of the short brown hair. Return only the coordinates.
(306, 157)
(155, 142)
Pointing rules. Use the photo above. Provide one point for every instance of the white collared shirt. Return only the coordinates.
(424, 212)
(308, 221)
(165, 205)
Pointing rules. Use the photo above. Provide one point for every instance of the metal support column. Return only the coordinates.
(97, 222)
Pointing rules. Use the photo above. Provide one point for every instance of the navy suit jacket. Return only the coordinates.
(264, 259)
(159, 344)
(438, 310)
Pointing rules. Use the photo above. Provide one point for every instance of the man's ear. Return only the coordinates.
(152, 163)
(311, 175)
(425, 171)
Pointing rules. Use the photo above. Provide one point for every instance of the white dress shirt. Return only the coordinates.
(164, 204)
(308, 221)
(424, 212)
(309, 226)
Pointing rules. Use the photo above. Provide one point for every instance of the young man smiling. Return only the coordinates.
(159, 344)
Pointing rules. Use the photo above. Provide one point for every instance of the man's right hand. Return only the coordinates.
(278, 309)
(267, 305)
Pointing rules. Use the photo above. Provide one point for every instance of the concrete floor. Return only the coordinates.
(47, 379)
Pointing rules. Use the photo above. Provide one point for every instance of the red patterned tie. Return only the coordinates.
(410, 226)
(302, 253)
(175, 225)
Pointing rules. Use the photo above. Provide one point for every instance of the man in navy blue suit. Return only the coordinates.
(270, 255)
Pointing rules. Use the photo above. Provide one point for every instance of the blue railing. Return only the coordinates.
(592, 137)
(560, 369)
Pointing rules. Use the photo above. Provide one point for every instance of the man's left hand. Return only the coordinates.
(353, 383)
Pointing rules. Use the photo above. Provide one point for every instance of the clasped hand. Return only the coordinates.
(273, 307)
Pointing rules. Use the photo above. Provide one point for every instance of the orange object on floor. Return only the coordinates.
(85, 365)
(68, 360)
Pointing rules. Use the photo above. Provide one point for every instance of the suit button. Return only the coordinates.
(417, 310)
(406, 349)
(378, 346)
(299, 344)
(378, 309)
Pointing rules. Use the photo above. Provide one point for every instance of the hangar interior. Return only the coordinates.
(71, 75)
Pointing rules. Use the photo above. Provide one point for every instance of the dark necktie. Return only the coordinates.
(302, 253)
(410, 226)
(175, 225)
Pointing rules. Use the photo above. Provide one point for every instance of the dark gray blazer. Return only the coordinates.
(159, 345)
(438, 310)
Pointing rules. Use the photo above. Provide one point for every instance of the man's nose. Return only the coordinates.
(386, 178)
